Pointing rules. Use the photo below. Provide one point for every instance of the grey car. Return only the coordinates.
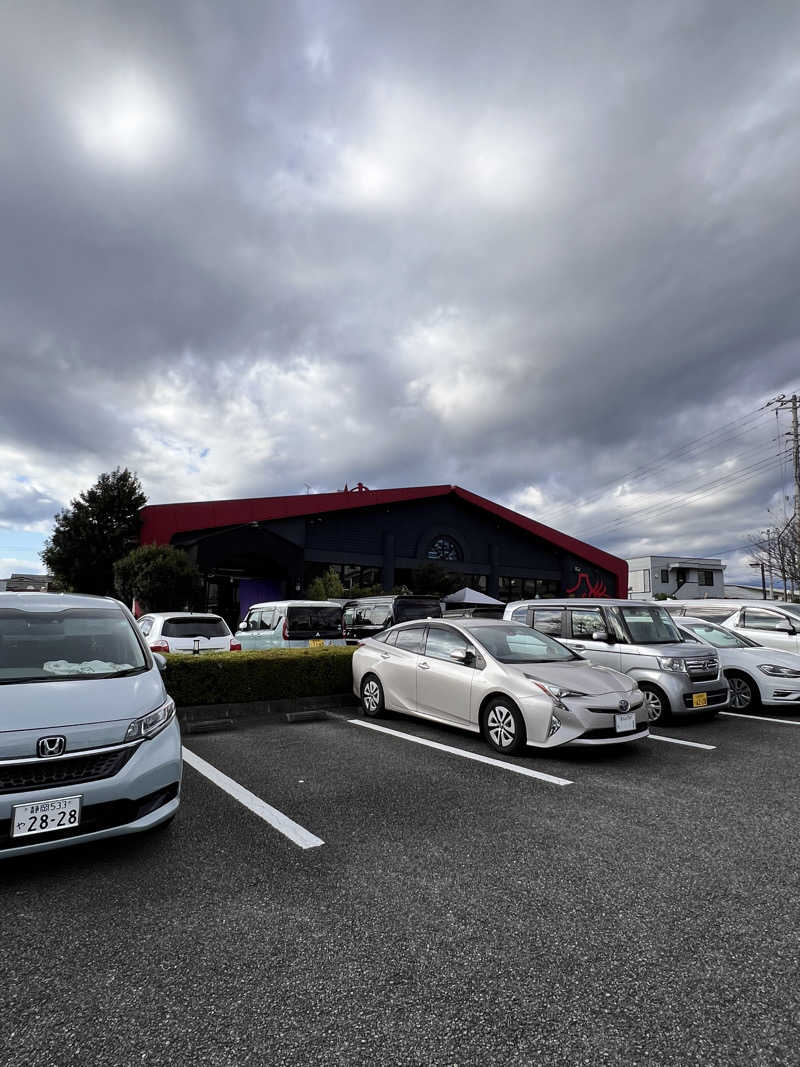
(641, 640)
(515, 686)
(89, 740)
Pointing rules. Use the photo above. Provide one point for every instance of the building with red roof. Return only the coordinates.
(271, 548)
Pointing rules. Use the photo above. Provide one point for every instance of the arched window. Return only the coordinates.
(444, 547)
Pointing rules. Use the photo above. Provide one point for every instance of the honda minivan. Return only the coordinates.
(641, 640)
(89, 740)
(369, 615)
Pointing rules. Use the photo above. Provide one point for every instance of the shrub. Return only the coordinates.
(241, 677)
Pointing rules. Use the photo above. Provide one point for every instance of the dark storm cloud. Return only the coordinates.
(515, 246)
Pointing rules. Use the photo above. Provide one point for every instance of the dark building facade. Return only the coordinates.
(272, 548)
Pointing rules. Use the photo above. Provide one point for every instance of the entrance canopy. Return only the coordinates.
(472, 598)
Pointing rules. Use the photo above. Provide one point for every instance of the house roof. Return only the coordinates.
(161, 522)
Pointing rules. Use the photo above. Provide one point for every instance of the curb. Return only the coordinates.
(200, 718)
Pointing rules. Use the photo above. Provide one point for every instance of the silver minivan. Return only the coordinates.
(641, 640)
(291, 624)
(89, 741)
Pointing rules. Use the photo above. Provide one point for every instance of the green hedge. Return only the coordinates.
(240, 677)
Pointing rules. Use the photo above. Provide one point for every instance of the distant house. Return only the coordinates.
(27, 583)
(682, 577)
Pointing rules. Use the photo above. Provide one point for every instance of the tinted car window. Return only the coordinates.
(145, 625)
(519, 614)
(200, 627)
(411, 639)
(441, 643)
(649, 626)
(548, 621)
(310, 617)
(405, 610)
(719, 636)
(379, 615)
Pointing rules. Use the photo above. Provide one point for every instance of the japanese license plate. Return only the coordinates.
(625, 722)
(45, 816)
(316, 642)
(699, 700)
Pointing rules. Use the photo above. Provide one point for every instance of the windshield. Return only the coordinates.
(71, 643)
(650, 625)
(718, 636)
(793, 609)
(405, 610)
(200, 627)
(520, 644)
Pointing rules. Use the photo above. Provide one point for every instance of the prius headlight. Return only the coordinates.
(555, 691)
(152, 724)
(779, 672)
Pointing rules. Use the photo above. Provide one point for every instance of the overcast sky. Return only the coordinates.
(524, 247)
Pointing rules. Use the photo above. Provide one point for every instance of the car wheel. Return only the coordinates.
(656, 703)
(503, 726)
(744, 691)
(372, 696)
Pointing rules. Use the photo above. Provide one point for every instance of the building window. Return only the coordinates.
(681, 577)
(664, 576)
(444, 547)
(640, 581)
(705, 577)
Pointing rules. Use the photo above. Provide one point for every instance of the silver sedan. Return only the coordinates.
(511, 683)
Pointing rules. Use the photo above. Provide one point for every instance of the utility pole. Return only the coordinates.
(769, 564)
(783, 401)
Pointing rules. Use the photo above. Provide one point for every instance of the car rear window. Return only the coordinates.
(210, 626)
(302, 617)
(406, 610)
(69, 643)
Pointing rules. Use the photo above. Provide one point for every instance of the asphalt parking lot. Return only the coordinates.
(442, 910)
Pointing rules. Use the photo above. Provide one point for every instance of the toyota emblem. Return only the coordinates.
(623, 705)
(50, 746)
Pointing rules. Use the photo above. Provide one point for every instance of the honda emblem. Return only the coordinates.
(50, 746)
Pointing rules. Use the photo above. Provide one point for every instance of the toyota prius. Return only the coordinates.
(89, 741)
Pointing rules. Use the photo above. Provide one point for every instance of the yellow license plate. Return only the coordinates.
(699, 700)
(316, 642)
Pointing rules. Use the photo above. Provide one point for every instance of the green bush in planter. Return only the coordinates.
(241, 677)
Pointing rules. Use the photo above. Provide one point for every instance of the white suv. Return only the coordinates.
(186, 631)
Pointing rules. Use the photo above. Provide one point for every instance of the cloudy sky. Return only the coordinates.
(548, 252)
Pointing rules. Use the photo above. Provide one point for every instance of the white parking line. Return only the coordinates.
(677, 741)
(460, 752)
(265, 811)
(760, 718)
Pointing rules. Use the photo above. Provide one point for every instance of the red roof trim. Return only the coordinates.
(160, 522)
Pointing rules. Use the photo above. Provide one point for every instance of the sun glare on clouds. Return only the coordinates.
(128, 122)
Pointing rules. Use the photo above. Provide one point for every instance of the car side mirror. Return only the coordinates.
(159, 661)
(601, 635)
(460, 655)
(242, 625)
(785, 628)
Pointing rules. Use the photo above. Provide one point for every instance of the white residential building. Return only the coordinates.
(683, 577)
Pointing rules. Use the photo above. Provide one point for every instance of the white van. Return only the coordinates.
(291, 624)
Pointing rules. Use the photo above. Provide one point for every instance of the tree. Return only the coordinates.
(327, 587)
(432, 580)
(159, 578)
(96, 530)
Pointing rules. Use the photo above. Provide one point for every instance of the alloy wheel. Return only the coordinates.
(741, 693)
(654, 705)
(371, 696)
(501, 726)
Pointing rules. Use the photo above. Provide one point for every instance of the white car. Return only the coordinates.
(505, 680)
(756, 675)
(187, 631)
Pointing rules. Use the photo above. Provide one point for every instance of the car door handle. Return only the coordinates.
(385, 655)
(580, 648)
(424, 666)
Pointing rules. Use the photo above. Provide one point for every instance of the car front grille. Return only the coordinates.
(19, 777)
(702, 670)
(94, 817)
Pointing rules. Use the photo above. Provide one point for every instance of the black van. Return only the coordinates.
(369, 615)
